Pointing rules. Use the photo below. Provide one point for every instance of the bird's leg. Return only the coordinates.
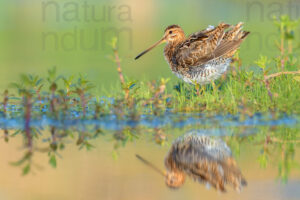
(204, 89)
(213, 84)
(197, 86)
(214, 87)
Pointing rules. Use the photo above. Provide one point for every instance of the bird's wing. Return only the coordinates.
(209, 44)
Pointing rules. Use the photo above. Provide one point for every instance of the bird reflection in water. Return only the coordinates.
(203, 158)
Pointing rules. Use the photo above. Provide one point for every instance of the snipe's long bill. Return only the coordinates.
(203, 56)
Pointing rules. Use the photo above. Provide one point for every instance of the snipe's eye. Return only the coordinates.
(170, 32)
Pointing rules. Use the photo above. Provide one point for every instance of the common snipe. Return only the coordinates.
(203, 56)
(204, 159)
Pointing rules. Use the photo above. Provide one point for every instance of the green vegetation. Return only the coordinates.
(273, 85)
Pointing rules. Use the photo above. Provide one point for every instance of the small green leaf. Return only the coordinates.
(263, 61)
(89, 146)
(61, 146)
(26, 157)
(26, 169)
(115, 155)
(114, 42)
(80, 141)
(263, 160)
(52, 161)
(15, 133)
(53, 146)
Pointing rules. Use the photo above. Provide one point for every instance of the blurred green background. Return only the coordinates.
(74, 35)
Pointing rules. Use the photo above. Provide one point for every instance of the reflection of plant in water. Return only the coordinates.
(277, 148)
(159, 136)
(127, 134)
(284, 142)
(28, 132)
(52, 79)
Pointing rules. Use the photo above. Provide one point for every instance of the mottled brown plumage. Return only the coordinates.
(203, 56)
(205, 160)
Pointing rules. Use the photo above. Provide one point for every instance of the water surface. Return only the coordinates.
(266, 150)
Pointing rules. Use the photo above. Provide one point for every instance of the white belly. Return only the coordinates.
(206, 73)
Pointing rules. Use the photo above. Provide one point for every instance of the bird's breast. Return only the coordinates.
(203, 74)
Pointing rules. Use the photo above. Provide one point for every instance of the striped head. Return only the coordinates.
(173, 34)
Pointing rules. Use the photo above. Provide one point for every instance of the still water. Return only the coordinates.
(172, 156)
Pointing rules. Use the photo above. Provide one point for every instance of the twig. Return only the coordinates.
(274, 139)
(279, 74)
(117, 60)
